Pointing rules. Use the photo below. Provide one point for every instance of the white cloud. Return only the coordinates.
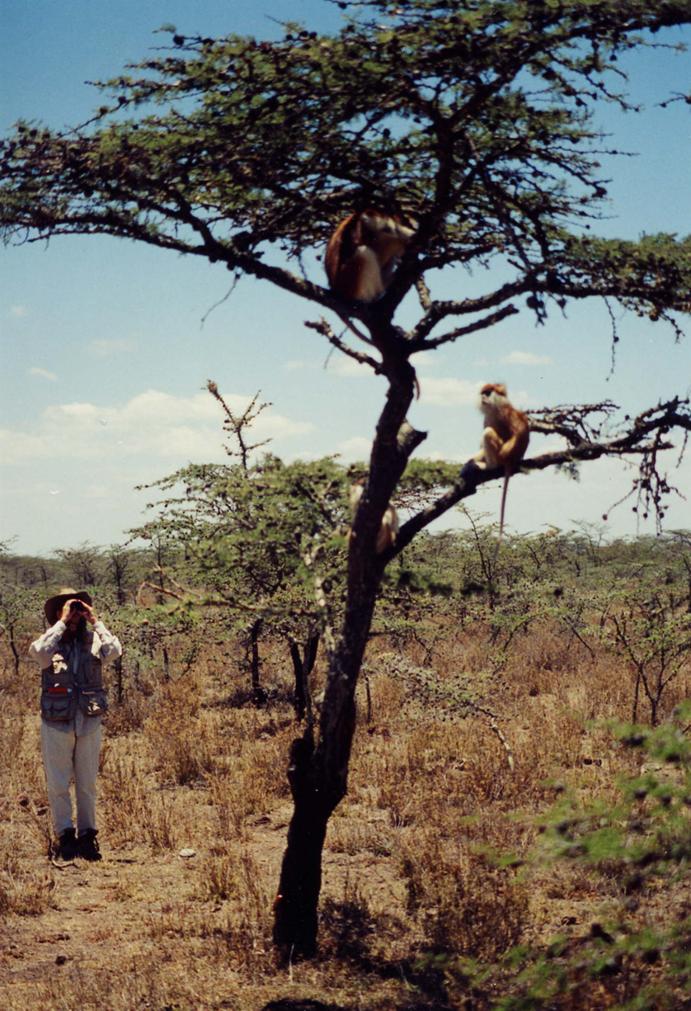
(526, 358)
(80, 412)
(349, 367)
(104, 348)
(448, 392)
(151, 425)
(163, 408)
(19, 310)
(462, 393)
(435, 456)
(427, 358)
(44, 374)
(96, 491)
(546, 447)
(357, 448)
(16, 447)
(273, 426)
(299, 366)
(340, 365)
(515, 358)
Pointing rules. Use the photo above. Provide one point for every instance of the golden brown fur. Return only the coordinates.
(363, 253)
(389, 524)
(505, 438)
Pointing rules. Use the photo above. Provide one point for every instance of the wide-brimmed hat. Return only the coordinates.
(53, 606)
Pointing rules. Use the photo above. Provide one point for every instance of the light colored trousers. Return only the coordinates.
(65, 755)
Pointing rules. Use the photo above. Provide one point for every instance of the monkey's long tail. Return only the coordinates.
(358, 333)
(501, 517)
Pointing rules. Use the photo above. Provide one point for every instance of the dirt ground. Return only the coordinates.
(178, 914)
(122, 920)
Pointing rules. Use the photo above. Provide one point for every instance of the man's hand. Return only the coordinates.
(66, 608)
(72, 610)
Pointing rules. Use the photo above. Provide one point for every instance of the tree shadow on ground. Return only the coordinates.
(348, 933)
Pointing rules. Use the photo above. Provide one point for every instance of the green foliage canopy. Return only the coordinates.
(477, 116)
(249, 535)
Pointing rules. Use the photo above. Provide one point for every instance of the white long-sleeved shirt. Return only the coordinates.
(43, 649)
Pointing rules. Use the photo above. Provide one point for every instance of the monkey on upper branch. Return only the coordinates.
(504, 440)
(363, 253)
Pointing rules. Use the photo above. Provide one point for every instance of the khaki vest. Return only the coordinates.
(74, 681)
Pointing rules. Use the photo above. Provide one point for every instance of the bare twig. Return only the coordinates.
(325, 330)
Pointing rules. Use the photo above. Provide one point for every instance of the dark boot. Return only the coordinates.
(87, 845)
(67, 844)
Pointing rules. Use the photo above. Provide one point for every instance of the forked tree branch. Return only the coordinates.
(645, 437)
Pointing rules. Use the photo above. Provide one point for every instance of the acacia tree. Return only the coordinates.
(262, 539)
(655, 639)
(258, 536)
(85, 563)
(473, 115)
(257, 542)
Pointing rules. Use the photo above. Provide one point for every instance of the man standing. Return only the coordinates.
(72, 701)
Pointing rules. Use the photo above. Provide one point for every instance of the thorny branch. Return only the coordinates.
(644, 436)
(426, 686)
(238, 423)
(574, 423)
(182, 594)
(323, 328)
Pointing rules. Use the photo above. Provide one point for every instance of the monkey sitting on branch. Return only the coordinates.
(504, 440)
(363, 253)
(362, 257)
(389, 523)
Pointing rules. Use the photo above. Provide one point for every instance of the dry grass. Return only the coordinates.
(410, 868)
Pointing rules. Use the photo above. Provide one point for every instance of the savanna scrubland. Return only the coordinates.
(503, 842)
(509, 838)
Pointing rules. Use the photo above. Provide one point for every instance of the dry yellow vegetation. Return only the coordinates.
(412, 889)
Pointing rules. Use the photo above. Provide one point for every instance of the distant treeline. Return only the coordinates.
(456, 557)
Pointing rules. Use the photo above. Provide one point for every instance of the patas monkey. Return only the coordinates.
(363, 253)
(504, 440)
(389, 523)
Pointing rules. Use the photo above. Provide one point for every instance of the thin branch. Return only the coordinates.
(438, 310)
(325, 330)
(463, 331)
(635, 440)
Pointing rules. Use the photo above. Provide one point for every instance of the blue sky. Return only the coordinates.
(106, 346)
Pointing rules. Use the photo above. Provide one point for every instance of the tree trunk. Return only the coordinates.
(258, 695)
(318, 775)
(302, 668)
(15, 653)
(117, 668)
(319, 778)
(295, 908)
